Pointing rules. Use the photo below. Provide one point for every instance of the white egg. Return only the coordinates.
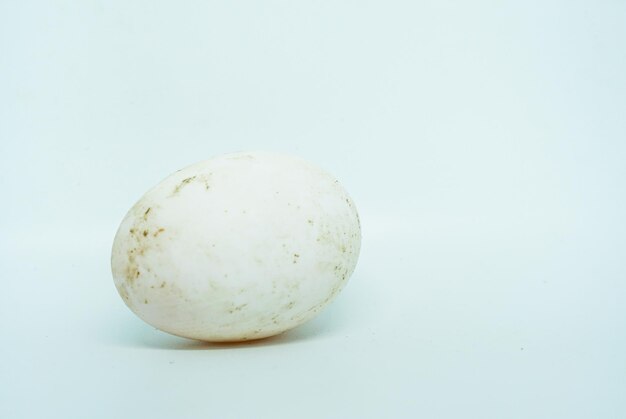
(238, 247)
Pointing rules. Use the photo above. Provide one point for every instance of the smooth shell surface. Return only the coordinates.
(242, 246)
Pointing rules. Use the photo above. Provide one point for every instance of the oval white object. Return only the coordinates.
(238, 247)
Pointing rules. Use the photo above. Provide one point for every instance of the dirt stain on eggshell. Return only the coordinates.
(182, 184)
(201, 178)
(141, 241)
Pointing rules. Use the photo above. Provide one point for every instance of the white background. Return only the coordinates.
(483, 142)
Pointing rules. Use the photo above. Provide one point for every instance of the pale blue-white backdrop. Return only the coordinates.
(484, 143)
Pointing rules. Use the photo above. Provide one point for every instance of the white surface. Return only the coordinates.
(238, 247)
(483, 144)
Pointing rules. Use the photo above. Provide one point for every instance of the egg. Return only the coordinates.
(238, 247)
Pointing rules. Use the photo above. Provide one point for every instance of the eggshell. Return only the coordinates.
(241, 246)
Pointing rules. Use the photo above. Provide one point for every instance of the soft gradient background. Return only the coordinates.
(484, 143)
